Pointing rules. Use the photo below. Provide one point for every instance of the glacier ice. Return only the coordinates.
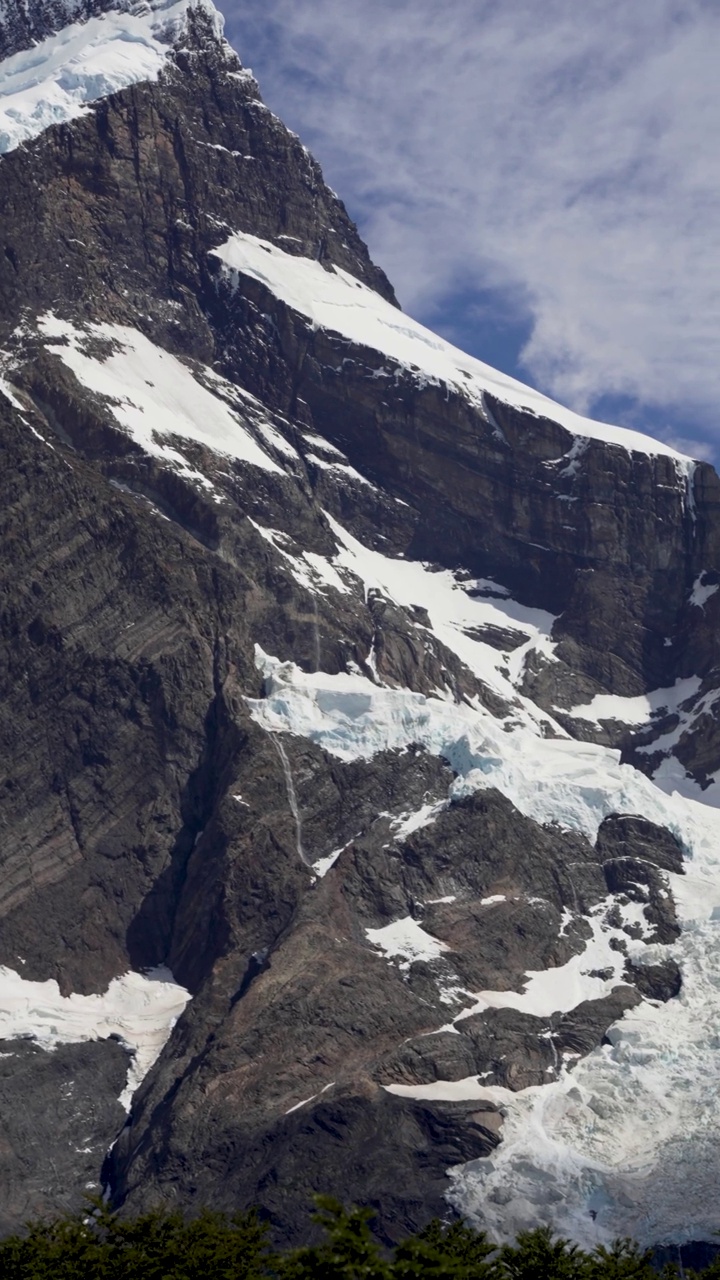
(60, 77)
(602, 1150)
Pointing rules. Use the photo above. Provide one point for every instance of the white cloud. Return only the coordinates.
(565, 153)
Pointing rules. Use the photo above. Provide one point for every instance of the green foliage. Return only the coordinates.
(536, 1256)
(63, 1250)
(98, 1245)
(439, 1251)
(349, 1249)
(625, 1260)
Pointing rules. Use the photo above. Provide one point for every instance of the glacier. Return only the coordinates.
(601, 1151)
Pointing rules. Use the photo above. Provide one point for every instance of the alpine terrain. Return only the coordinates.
(358, 719)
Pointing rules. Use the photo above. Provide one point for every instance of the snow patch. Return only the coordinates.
(320, 444)
(8, 391)
(312, 1098)
(587, 976)
(469, 1089)
(404, 826)
(638, 710)
(688, 716)
(701, 592)
(152, 394)
(338, 468)
(671, 777)
(323, 865)
(139, 1009)
(406, 940)
(458, 610)
(312, 571)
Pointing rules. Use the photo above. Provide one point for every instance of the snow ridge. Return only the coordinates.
(336, 301)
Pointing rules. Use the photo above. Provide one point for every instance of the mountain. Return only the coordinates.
(358, 737)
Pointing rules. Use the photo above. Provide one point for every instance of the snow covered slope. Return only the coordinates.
(154, 395)
(331, 299)
(139, 1009)
(61, 76)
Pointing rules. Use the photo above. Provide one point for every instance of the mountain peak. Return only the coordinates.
(24, 23)
(58, 58)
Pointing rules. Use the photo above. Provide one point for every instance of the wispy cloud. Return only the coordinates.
(563, 154)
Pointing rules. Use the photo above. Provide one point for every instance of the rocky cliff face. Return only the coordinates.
(341, 676)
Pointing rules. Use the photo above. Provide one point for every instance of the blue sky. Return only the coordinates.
(541, 182)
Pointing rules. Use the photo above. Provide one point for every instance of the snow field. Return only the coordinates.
(457, 609)
(681, 699)
(559, 990)
(455, 614)
(545, 991)
(152, 395)
(407, 941)
(139, 1009)
(311, 571)
(639, 710)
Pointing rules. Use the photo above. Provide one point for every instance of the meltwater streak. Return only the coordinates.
(292, 797)
(316, 633)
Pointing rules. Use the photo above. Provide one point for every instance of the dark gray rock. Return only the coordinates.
(626, 836)
(637, 881)
(379, 1150)
(507, 1048)
(60, 1114)
(655, 981)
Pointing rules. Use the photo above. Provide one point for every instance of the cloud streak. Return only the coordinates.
(563, 157)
